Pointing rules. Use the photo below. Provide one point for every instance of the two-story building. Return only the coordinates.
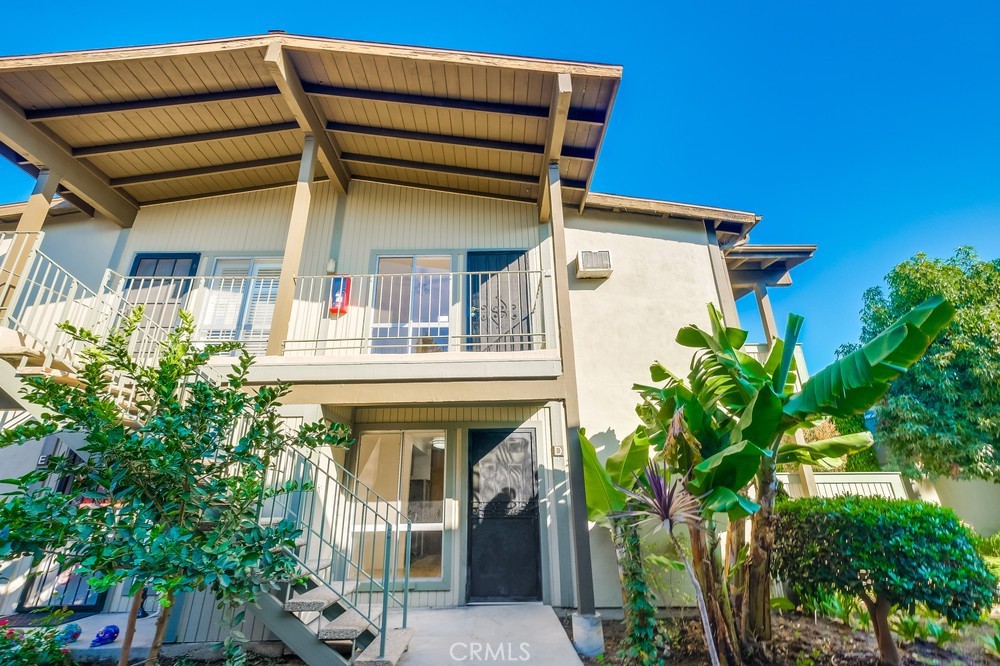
(406, 235)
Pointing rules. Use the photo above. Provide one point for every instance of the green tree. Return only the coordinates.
(942, 418)
(889, 553)
(168, 495)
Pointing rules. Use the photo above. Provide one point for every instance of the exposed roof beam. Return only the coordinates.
(182, 139)
(464, 141)
(585, 199)
(452, 170)
(39, 115)
(575, 114)
(562, 92)
(449, 190)
(30, 169)
(203, 171)
(771, 277)
(41, 148)
(287, 79)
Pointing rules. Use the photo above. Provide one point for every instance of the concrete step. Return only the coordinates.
(396, 643)
(348, 626)
(317, 599)
(299, 542)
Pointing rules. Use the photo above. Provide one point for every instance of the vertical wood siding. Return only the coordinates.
(202, 622)
(389, 218)
(251, 223)
(373, 415)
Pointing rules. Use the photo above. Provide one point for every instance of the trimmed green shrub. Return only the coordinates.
(888, 553)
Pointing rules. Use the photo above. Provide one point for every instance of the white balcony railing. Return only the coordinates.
(420, 313)
(501, 311)
(224, 308)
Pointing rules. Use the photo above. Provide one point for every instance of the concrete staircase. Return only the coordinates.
(340, 613)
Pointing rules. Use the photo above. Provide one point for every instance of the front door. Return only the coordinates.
(500, 301)
(504, 539)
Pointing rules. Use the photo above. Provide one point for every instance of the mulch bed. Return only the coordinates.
(801, 641)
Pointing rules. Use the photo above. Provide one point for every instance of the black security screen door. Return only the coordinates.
(504, 540)
(500, 298)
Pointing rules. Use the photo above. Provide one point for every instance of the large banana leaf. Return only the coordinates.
(761, 420)
(812, 453)
(731, 468)
(856, 382)
(724, 500)
(630, 458)
(603, 499)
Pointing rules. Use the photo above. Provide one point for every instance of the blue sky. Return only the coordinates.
(871, 129)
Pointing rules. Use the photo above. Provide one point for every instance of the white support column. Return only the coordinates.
(723, 285)
(37, 208)
(766, 314)
(588, 636)
(295, 241)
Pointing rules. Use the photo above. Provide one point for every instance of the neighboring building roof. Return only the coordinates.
(769, 265)
(175, 121)
(11, 212)
(730, 225)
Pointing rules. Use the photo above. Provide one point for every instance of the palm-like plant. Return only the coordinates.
(721, 427)
(668, 503)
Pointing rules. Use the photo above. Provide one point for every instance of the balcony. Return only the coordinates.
(429, 325)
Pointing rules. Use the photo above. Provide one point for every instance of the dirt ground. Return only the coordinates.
(802, 641)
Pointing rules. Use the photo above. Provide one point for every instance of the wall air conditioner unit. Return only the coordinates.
(593, 264)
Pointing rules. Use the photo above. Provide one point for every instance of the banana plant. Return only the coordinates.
(723, 425)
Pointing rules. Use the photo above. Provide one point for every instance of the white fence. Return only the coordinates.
(830, 484)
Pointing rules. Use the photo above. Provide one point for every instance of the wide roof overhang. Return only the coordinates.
(135, 126)
(764, 265)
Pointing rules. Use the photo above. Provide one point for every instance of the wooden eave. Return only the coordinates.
(768, 265)
(175, 121)
(730, 225)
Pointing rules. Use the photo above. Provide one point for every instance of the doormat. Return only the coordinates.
(42, 619)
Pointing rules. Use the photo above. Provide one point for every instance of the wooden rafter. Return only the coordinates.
(39, 115)
(588, 116)
(463, 141)
(392, 162)
(161, 176)
(182, 139)
(562, 92)
(41, 148)
(287, 79)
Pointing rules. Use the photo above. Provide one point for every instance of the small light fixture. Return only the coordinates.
(439, 442)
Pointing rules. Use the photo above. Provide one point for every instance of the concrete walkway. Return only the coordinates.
(495, 634)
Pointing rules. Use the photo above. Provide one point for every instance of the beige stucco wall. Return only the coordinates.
(662, 280)
(975, 502)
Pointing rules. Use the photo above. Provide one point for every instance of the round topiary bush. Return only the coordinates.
(888, 553)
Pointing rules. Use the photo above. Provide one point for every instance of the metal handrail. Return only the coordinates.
(407, 313)
(349, 544)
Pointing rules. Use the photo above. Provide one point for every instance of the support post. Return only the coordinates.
(766, 314)
(37, 208)
(723, 285)
(586, 621)
(292, 258)
(27, 236)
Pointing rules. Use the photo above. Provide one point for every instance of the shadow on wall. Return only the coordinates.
(606, 442)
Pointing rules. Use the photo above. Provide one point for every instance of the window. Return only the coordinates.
(239, 300)
(408, 468)
(412, 298)
(160, 283)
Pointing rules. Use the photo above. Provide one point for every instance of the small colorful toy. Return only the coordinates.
(105, 636)
(69, 634)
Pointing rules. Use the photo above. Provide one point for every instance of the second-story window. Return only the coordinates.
(239, 301)
(412, 299)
